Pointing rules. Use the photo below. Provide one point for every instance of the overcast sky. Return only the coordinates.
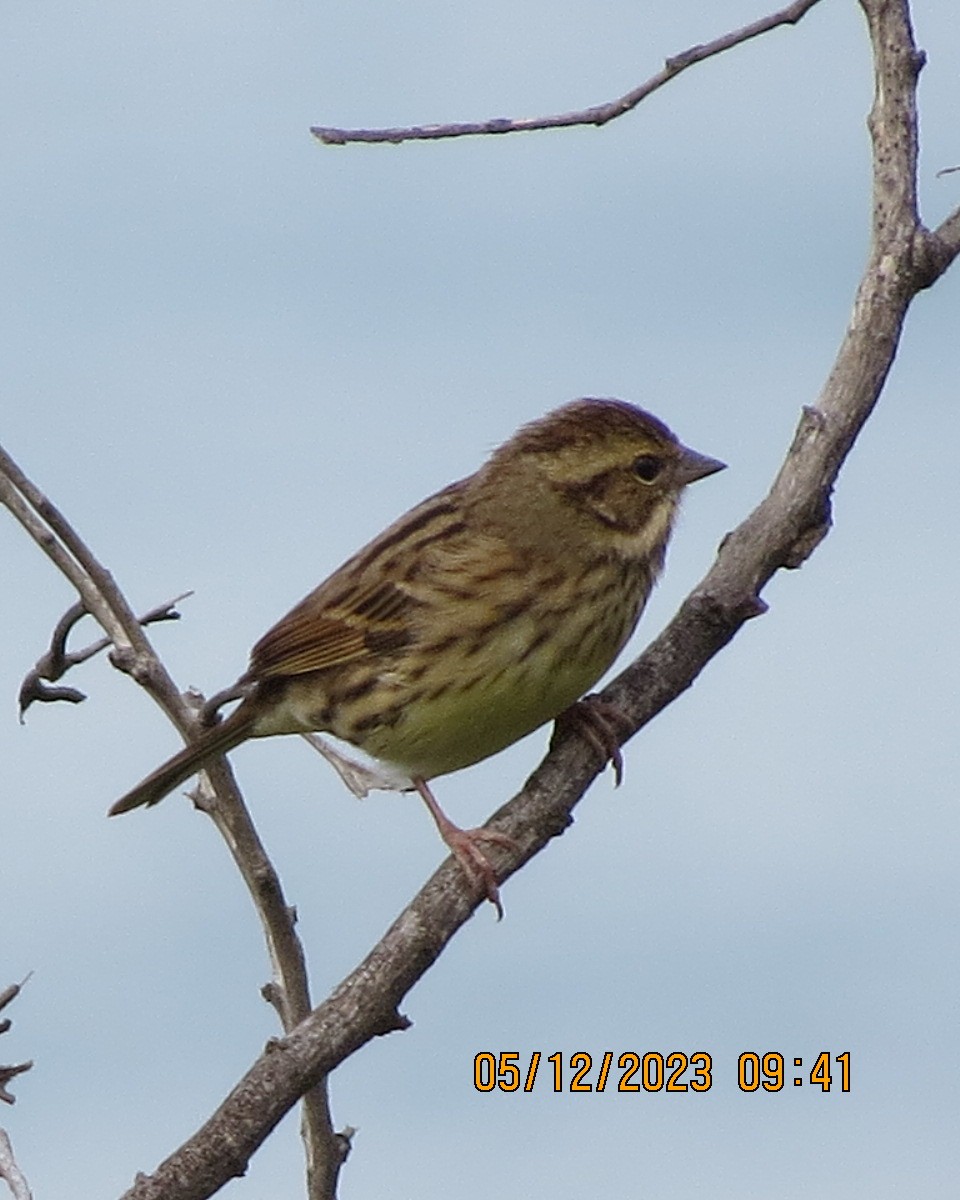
(232, 355)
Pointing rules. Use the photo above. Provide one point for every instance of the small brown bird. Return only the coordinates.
(481, 614)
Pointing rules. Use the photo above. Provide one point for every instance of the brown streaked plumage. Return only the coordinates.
(481, 614)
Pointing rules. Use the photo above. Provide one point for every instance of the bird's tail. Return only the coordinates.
(216, 740)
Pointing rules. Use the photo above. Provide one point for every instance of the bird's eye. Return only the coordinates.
(647, 467)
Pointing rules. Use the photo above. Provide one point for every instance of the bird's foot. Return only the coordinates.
(602, 724)
(465, 845)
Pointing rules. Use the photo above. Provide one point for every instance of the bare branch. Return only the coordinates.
(7, 1073)
(98, 593)
(55, 663)
(10, 1172)
(134, 654)
(289, 991)
(598, 114)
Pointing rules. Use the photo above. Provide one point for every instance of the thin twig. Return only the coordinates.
(57, 660)
(13, 991)
(98, 592)
(598, 114)
(7, 1073)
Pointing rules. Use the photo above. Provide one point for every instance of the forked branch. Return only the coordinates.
(133, 653)
(57, 660)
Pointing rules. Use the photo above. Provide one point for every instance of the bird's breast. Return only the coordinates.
(491, 683)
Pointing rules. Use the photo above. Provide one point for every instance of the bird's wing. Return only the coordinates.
(315, 635)
(365, 608)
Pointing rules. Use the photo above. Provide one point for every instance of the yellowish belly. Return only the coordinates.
(471, 715)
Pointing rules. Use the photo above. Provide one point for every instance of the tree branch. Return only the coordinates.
(598, 114)
(10, 1173)
(133, 653)
(289, 992)
(99, 594)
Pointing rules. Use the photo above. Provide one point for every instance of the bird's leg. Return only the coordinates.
(360, 779)
(463, 845)
(597, 721)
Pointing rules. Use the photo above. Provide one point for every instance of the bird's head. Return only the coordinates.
(601, 471)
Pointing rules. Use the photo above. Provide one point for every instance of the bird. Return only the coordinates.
(483, 613)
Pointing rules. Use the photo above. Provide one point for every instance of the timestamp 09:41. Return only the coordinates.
(675, 1071)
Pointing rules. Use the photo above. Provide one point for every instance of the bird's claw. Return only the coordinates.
(597, 721)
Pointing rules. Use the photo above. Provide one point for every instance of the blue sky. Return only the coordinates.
(232, 355)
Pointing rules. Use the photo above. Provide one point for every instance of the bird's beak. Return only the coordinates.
(693, 466)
